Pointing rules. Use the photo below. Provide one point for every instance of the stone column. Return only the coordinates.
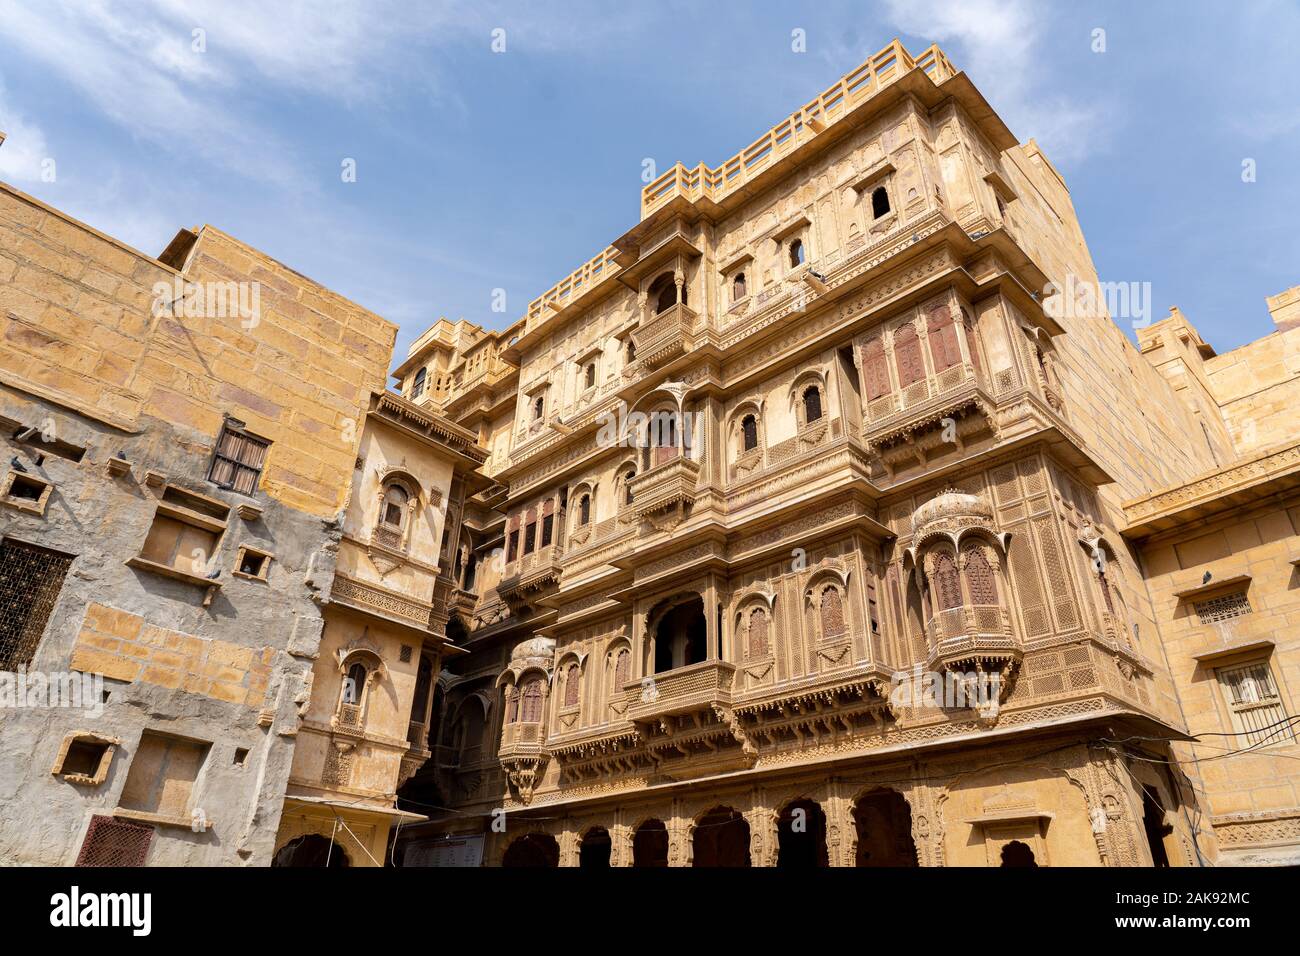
(620, 849)
(570, 847)
(841, 832)
(680, 849)
(764, 839)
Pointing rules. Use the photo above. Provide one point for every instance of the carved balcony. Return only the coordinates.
(531, 572)
(523, 757)
(900, 418)
(662, 337)
(973, 638)
(685, 720)
(666, 485)
(683, 690)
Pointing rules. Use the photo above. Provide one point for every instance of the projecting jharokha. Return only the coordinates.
(795, 528)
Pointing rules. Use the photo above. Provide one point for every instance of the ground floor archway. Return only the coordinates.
(883, 821)
(650, 844)
(311, 850)
(532, 850)
(801, 836)
(721, 838)
(595, 850)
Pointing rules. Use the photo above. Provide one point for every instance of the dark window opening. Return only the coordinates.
(591, 375)
(539, 407)
(241, 756)
(548, 524)
(83, 757)
(796, 253)
(749, 430)
(26, 488)
(530, 537)
(1016, 853)
(584, 509)
(417, 389)
(512, 546)
(738, 287)
(879, 202)
(812, 404)
(252, 564)
(680, 636)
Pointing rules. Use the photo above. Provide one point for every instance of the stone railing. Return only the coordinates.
(663, 336)
(586, 277)
(715, 183)
(533, 570)
(665, 486)
(682, 690)
(389, 604)
(964, 635)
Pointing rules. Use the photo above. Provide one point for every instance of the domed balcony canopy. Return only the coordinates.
(951, 515)
(535, 654)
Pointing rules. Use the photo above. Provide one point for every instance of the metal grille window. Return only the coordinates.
(1256, 706)
(30, 581)
(113, 842)
(1223, 607)
(237, 462)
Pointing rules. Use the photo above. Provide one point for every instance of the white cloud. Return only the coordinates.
(24, 148)
(997, 45)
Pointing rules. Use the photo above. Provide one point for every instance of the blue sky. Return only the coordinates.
(479, 170)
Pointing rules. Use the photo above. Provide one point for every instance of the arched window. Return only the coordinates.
(944, 350)
(812, 404)
(631, 351)
(875, 369)
(738, 287)
(832, 612)
(622, 663)
(796, 253)
(947, 591)
(879, 202)
(584, 509)
(354, 685)
(571, 685)
(530, 701)
(907, 355)
(417, 389)
(663, 292)
(590, 375)
(393, 515)
(749, 433)
(979, 577)
(512, 704)
(758, 632)
(539, 406)
(627, 485)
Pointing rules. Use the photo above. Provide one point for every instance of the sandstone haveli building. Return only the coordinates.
(795, 528)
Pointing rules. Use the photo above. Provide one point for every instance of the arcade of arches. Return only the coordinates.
(723, 836)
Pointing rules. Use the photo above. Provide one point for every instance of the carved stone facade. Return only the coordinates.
(791, 530)
(811, 525)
